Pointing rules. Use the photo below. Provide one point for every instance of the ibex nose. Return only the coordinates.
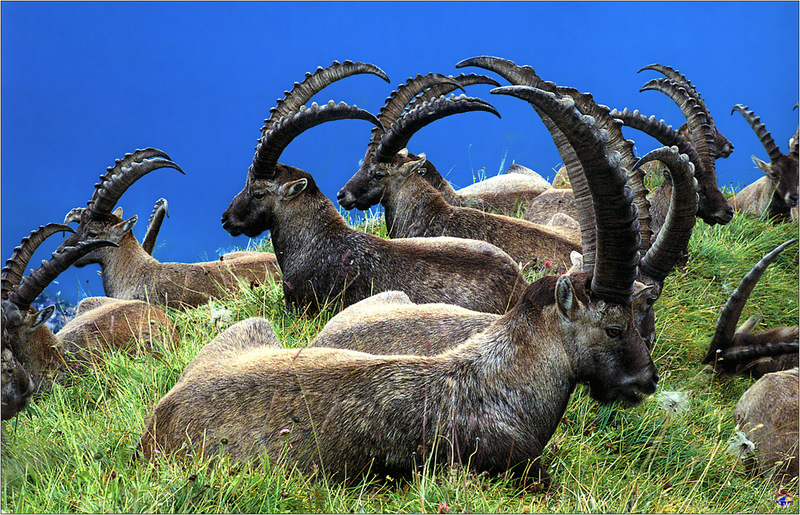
(792, 200)
(345, 199)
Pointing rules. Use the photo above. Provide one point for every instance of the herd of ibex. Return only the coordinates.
(440, 349)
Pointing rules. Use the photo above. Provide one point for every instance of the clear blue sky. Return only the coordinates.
(84, 83)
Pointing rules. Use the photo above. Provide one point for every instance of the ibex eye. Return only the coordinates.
(257, 193)
(379, 175)
(613, 332)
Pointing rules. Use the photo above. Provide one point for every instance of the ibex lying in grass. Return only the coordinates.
(413, 208)
(767, 415)
(722, 146)
(244, 258)
(323, 260)
(129, 272)
(100, 324)
(17, 383)
(504, 194)
(491, 403)
(659, 258)
(739, 351)
(774, 195)
(704, 138)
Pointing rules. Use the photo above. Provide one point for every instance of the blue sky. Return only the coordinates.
(84, 83)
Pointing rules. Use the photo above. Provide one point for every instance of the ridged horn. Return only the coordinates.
(12, 272)
(729, 316)
(660, 259)
(123, 174)
(410, 122)
(761, 131)
(526, 76)
(663, 133)
(33, 285)
(398, 100)
(615, 214)
(160, 210)
(444, 88)
(315, 82)
(750, 352)
(292, 125)
(678, 78)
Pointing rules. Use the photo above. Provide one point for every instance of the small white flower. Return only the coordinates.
(674, 403)
(739, 445)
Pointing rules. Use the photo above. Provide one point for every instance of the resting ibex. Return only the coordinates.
(659, 259)
(739, 351)
(100, 324)
(17, 383)
(129, 272)
(705, 139)
(414, 208)
(774, 195)
(504, 193)
(491, 403)
(322, 259)
(244, 258)
(767, 415)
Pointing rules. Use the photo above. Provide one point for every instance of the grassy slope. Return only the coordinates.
(71, 451)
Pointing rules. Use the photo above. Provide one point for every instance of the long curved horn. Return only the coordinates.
(33, 285)
(739, 354)
(292, 125)
(615, 214)
(160, 210)
(660, 259)
(315, 82)
(12, 273)
(697, 117)
(123, 174)
(761, 131)
(729, 317)
(443, 88)
(617, 142)
(678, 78)
(663, 133)
(396, 102)
(409, 123)
(526, 76)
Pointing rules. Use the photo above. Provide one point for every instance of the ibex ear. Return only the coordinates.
(118, 212)
(565, 297)
(43, 316)
(641, 290)
(417, 166)
(291, 189)
(764, 167)
(127, 225)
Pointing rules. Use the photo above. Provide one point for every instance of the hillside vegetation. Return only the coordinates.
(71, 451)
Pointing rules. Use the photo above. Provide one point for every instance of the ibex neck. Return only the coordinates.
(123, 267)
(406, 205)
(305, 228)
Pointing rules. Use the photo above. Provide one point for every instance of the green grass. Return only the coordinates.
(72, 450)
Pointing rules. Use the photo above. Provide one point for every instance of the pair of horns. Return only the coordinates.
(290, 117)
(23, 291)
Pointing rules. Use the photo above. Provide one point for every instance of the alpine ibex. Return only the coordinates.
(100, 324)
(244, 258)
(129, 272)
(723, 148)
(491, 403)
(767, 415)
(704, 137)
(739, 351)
(659, 259)
(17, 383)
(774, 195)
(505, 194)
(414, 208)
(324, 260)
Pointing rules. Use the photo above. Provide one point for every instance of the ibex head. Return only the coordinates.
(21, 322)
(97, 221)
(365, 189)
(782, 169)
(736, 351)
(713, 207)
